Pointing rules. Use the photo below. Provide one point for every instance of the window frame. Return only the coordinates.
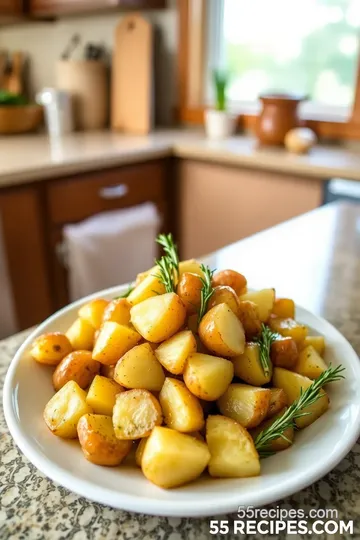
(193, 25)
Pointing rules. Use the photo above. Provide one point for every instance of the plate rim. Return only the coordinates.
(145, 505)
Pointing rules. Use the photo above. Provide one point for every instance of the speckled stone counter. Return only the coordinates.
(320, 269)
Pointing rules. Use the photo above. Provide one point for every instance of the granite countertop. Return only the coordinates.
(320, 269)
(28, 158)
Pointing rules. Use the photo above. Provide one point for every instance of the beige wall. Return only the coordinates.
(45, 41)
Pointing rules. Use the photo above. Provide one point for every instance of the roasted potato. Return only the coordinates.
(158, 318)
(264, 300)
(182, 410)
(292, 383)
(250, 319)
(77, 366)
(98, 441)
(284, 307)
(81, 335)
(232, 279)
(284, 352)
(148, 287)
(278, 401)
(113, 342)
(318, 342)
(140, 450)
(50, 348)
(102, 394)
(189, 290)
(281, 443)
(289, 328)
(135, 414)
(173, 352)
(310, 363)
(171, 459)
(118, 310)
(232, 450)
(225, 295)
(248, 367)
(221, 331)
(107, 371)
(93, 312)
(139, 368)
(207, 377)
(65, 409)
(246, 404)
(192, 266)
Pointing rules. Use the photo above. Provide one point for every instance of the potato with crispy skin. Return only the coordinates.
(81, 335)
(98, 441)
(50, 348)
(113, 342)
(136, 412)
(232, 279)
(171, 459)
(118, 310)
(310, 363)
(284, 352)
(139, 368)
(207, 377)
(182, 410)
(140, 451)
(248, 367)
(221, 332)
(93, 312)
(250, 319)
(289, 328)
(173, 353)
(77, 366)
(278, 401)
(246, 404)
(102, 395)
(281, 443)
(189, 290)
(223, 294)
(264, 300)
(284, 307)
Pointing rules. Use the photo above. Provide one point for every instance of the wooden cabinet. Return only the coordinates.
(63, 7)
(220, 205)
(11, 8)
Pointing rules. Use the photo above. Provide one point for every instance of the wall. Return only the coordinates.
(45, 41)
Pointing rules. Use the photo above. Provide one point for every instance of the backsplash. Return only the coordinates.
(44, 43)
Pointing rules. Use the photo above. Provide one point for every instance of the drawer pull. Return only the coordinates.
(114, 192)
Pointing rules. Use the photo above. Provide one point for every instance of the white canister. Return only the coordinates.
(219, 124)
(58, 110)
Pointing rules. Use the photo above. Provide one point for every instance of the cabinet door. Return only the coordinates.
(11, 7)
(59, 7)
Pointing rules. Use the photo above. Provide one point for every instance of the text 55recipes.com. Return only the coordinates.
(263, 521)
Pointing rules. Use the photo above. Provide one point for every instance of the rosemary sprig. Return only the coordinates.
(206, 290)
(165, 274)
(306, 398)
(125, 294)
(267, 337)
(166, 241)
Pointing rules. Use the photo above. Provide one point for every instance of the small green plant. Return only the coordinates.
(221, 79)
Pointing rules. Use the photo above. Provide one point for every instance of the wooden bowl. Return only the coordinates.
(20, 118)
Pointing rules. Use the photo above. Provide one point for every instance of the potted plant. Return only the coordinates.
(219, 123)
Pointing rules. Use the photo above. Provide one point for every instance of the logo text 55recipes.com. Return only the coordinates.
(272, 521)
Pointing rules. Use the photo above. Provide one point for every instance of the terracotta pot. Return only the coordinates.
(277, 117)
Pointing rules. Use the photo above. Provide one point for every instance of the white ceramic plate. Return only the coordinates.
(316, 451)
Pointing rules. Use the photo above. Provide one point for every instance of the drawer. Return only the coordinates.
(75, 198)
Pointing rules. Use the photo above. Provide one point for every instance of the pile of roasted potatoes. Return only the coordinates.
(144, 372)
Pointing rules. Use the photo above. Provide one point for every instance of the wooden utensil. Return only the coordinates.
(132, 76)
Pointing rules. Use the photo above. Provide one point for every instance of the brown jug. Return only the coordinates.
(277, 117)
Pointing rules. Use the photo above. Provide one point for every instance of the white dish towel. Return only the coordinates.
(110, 248)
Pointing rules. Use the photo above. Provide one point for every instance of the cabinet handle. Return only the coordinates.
(114, 192)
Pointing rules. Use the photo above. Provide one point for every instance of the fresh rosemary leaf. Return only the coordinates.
(306, 398)
(206, 290)
(265, 340)
(166, 275)
(125, 294)
(166, 241)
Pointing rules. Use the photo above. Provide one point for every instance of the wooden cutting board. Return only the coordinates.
(132, 76)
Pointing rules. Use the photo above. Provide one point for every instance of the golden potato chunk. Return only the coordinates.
(310, 363)
(278, 401)
(264, 300)
(113, 342)
(98, 441)
(81, 335)
(318, 342)
(281, 443)
(173, 352)
(192, 266)
(140, 451)
(225, 295)
(93, 312)
(232, 450)
(284, 308)
(230, 278)
(292, 383)
(135, 414)
(102, 395)
(171, 459)
(118, 310)
(159, 317)
(77, 366)
(139, 368)
(65, 409)
(148, 287)
(189, 290)
(182, 410)
(246, 404)
(207, 377)
(248, 367)
(221, 332)
(284, 352)
(50, 348)
(289, 328)
(250, 319)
